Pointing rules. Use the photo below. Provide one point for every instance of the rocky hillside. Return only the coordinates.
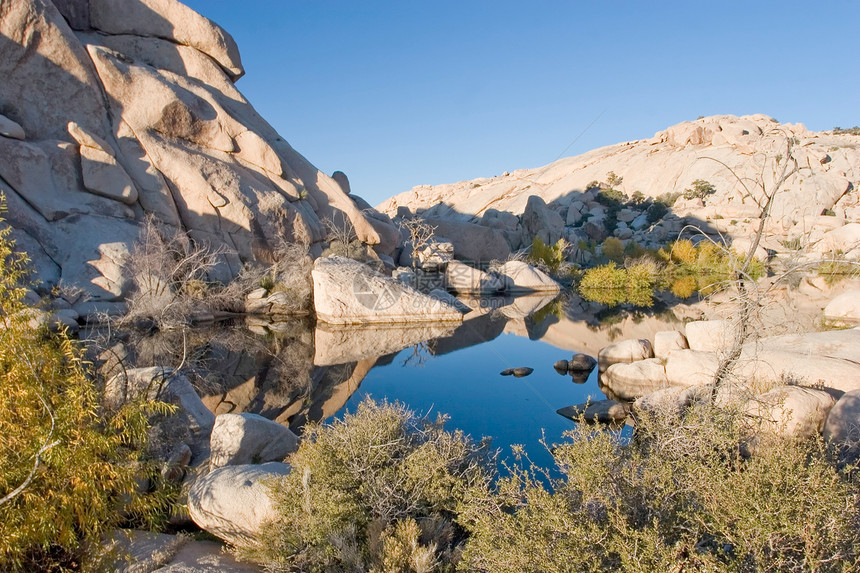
(115, 110)
(734, 155)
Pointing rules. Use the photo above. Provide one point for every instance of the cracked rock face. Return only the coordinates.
(113, 110)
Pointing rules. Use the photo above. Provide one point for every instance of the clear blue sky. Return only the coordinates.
(398, 94)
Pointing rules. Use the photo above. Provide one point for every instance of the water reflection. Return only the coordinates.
(295, 372)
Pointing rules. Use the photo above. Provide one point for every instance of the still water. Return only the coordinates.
(466, 385)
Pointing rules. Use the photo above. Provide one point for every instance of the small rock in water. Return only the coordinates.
(561, 366)
(519, 372)
(601, 411)
(580, 377)
(581, 363)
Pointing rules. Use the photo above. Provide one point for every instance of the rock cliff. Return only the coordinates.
(115, 110)
(733, 154)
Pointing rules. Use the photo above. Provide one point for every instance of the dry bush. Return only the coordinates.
(678, 496)
(376, 491)
(171, 273)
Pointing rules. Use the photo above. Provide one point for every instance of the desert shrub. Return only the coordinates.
(69, 469)
(847, 131)
(611, 285)
(836, 269)
(613, 180)
(376, 491)
(683, 251)
(678, 496)
(611, 197)
(792, 244)
(550, 258)
(613, 249)
(656, 211)
(700, 190)
(171, 275)
(605, 276)
(668, 199)
(634, 250)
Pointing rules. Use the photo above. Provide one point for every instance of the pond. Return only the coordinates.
(297, 371)
(466, 385)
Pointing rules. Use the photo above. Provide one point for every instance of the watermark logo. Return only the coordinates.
(375, 295)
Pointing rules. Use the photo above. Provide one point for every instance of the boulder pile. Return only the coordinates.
(649, 191)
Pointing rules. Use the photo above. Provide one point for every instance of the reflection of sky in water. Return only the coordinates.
(466, 385)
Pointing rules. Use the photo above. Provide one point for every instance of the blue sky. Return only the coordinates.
(397, 94)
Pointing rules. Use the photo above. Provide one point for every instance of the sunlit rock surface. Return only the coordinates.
(115, 110)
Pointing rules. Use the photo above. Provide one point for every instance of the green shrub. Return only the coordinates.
(683, 251)
(68, 470)
(792, 244)
(377, 491)
(668, 199)
(679, 496)
(700, 190)
(550, 258)
(613, 249)
(611, 197)
(612, 285)
(634, 250)
(613, 180)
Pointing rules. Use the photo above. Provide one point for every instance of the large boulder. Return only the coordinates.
(249, 438)
(629, 381)
(541, 221)
(842, 427)
(802, 369)
(143, 551)
(667, 340)
(136, 114)
(844, 308)
(843, 239)
(710, 335)
(523, 278)
(601, 411)
(170, 20)
(233, 502)
(671, 401)
(691, 367)
(624, 351)
(844, 344)
(790, 411)
(350, 292)
(462, 278)
(472, 242)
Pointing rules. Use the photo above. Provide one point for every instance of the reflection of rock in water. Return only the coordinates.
(271, 370)
(339, 345)
(482, 328)
(523, 306)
